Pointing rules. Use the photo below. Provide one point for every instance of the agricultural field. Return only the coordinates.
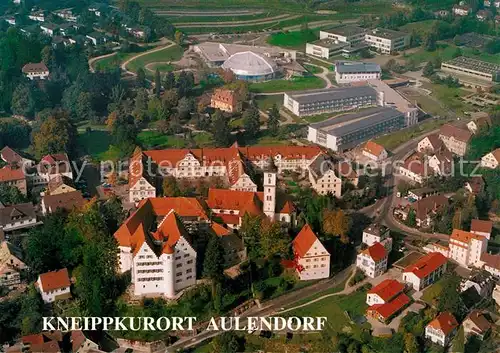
(296, 84)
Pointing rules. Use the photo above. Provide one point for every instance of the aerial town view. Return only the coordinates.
(274, 176)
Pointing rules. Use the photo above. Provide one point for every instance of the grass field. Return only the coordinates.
(289, 5)
(334, 309)
(155, 139)
(446, 51)
(162, 67)
(313, 69)
(266, 102)
(168, 54)
(294, 40)
(195, 19)
(96, 143)
(112, 62)
(421, 27)
(296, 84)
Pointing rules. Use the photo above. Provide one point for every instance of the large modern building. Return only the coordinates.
(387, 41)
(348, 130)
(326, 48)
(338, 41)
(472, 72)
(250, 63)
(330, 100)
(347, 34)
(350, 71)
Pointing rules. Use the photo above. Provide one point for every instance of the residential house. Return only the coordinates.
(17, 217)
(14, 176)
(481, 282)
(491, 3)
(437, 247)
(64, 200)
(38, 71)
(484, 15)
(11, 265)
(96, 38)
(415, 168)
(490, 263)
(64, 41)
(455, 138)
(323, 176)
(425, 271)
(374, 151)
(430, 144)
(66, 14)
(347, 172)
(377, 233)
(421, 193)
(54, 285)
(386, 299)
(226, 100)
(481, 227)
(491, 160)
(49, 29)
(312, 258)
(12, 157)
(424, 209)
(48, 341)
(82, 342)
(496, 294)
(441, 329)
(441, 163)
(59, 185)
(234, 164)
(477, 324)
(480, 120)
(10, 20)
(461, 10)
(52, 166)
(466, 247)
(234, 247)
(475, 185)
(38, 16)
(373, 260)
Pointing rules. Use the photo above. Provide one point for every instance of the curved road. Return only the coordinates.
(125, 63)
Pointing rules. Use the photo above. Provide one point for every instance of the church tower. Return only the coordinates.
(270, 174)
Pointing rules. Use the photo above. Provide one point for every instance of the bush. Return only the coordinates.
(358, 277)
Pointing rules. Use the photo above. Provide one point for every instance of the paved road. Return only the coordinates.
(225, 24)
(323, 75)
(270, 307)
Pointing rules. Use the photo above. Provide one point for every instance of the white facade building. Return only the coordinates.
(491, 160)
(387, 41)
(374, 151)
(466, 248)
(373, 260)
(54, 285)
(425, 271)
(441, 329)
(36, 71)
(377, 233)
(323, 177)
(351, 71)
(312, 258)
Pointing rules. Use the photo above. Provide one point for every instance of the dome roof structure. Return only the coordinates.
(249, 63)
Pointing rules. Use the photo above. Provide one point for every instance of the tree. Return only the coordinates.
(141, 107)
(170, 187)
(458, 345)
(221, 130)
(179, 37)
(250, 233)
(411, 221)
(226, 343)
(337, 223)
(23, 102)
(411, 344)
(213, 264)
(57, 135)
(169, 81)
(185, 107)
(251, 121)
(10, 195)
(141, 78)
(274, 120)
(31, 312)
(430, 41)
(170, 99)
(83, 107)
(428, 70)
(273, 240)
(157, 83)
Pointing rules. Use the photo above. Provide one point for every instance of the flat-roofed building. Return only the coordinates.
(330, 100)
(348, 130)
(387, 41)
(350, 34)
(472, 72)
(326, 48)
(352, 71)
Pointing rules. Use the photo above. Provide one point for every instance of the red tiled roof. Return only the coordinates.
(226, 218)
(435, 141)
(10, 156)
(388, 309)
(445, 322)
(481, 226)
(33, 339)
(8, 173)
(456, 132)
(54, 280)
(496, 154)
(169, 232)
(491, 260)
(225, 95)
(67, 201)
(35, 67)
(304, 240)
(426, 264)
(47, 347)
(235, 200)
(377, 252)
(220, 230)
(464, 237)
(374, 148)
(427, 205)
(480, 320)
(387, 289)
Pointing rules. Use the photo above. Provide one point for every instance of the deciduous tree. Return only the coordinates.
(273, 240)
(273, 121)
(221, 130)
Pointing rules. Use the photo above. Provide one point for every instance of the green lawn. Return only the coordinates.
(289, 5)
(421, 27)
(391, 141)
(313, 69)
(194, 19)
(294, 84)
(334, 309)
(266, 102)
(155, 139)
(294, 40)
(94, 143)
(112, 62)
(446, 51)
(168, 54)
(162, 67)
